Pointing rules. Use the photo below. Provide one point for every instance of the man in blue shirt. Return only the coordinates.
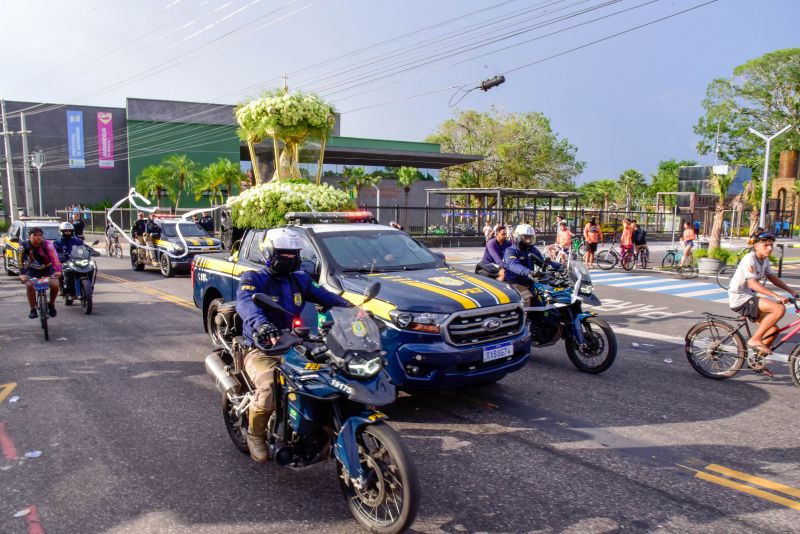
(289, 288)
(494, 251)
(522, 260)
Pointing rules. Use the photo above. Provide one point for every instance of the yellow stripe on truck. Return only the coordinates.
(466, 302)
(381, 308)
(501, 295)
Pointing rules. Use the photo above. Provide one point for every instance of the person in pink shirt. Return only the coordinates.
(687, 239)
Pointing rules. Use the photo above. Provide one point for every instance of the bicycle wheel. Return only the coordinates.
(688, 271)
(607, 259)
(669, 260)
(644, 258)
(715, 349)
(724, 276)
(628, 261)
(582, 249)
(43, 314)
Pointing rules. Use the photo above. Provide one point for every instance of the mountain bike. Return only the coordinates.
(630, 259)
(42, 287)
(672, 260)
(716, 349)
(608, 258)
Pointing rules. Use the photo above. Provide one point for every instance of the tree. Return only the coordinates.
(632, 182)
(183, 172)
(154, 180)
(406, 177)
(607, 189)
(356, 178)
(752, 199)
(763, 93)
(222, 175)
(520, 150)
(665, 179)
(720, 183)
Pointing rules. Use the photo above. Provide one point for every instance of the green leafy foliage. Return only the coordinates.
(763, 93)
(156, 179)
(599, 193)
(631, 182)
(265, 205)
(665, 179)
(355, 178)
(183, 171)
(520, 150)
(222, 175)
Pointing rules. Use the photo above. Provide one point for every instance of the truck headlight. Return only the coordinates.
(420, 322)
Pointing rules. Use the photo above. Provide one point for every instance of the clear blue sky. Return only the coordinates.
(627, 102)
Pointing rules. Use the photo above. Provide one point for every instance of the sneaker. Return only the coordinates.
(51, 310)
(33, 314)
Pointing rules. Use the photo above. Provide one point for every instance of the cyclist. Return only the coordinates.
(552, 250)
(626, 238)
(744, 294)
(38, 260)
(592, 234)
(111, 238)
(639, 239)
(687, 239)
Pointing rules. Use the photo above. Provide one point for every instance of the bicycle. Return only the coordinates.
(631, 259)
(113, 248)
(726, 272)
(672, 260)
(716, 349)
(579, 246)
(42, 286)
(608, 258)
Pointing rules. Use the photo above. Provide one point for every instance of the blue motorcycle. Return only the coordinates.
(325, 388)
(556, 312)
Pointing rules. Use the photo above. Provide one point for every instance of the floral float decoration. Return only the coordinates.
(290, 118)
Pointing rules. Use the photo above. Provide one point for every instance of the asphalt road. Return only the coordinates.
(132, 440)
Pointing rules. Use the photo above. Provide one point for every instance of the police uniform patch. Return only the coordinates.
(248, 288)
(298, 299)
(359, 329)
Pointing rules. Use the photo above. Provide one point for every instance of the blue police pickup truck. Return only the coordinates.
(445, 327)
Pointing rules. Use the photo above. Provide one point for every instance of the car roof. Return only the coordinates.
(348, 227)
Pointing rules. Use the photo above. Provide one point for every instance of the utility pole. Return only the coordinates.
(37, 160)
(12, 193)
(26, 167)
(768, 139)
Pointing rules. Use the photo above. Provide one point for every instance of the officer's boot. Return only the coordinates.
(256, 434)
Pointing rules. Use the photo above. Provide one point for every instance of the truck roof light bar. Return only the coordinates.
(328, 216)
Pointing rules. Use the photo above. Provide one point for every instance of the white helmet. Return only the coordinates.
(280, 250)
(66, 227)
(524, 235)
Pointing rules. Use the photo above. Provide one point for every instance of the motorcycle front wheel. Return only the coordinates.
(86, 296)
(600, 350)
(389, 500)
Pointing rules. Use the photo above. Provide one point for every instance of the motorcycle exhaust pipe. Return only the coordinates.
(226, 383)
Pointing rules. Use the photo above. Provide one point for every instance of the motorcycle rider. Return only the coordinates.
(138, 230)
(63, 248)
(521, 258)
(290, 288)
(38, 249)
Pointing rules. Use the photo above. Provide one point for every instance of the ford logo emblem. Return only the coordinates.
(492, 324)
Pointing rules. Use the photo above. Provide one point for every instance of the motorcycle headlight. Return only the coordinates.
(364, 368)
(421, 322)
(586, 289)
(82, 263)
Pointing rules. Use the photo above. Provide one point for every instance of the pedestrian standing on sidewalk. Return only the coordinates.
(786, 232)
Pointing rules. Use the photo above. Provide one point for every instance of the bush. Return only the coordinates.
(3, 225)
(722, 254)
(265, 205)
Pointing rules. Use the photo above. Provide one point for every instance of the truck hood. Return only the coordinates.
(431, 290)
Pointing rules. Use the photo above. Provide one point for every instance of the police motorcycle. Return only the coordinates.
(325, 389)
(80, 272)
(556, 312)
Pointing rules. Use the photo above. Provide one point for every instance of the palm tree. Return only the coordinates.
(154, 180)
(720, 184)
(183, 170)
(406, 176)
(221, 175)
(356, 178)
(630, 181)
(752, 199)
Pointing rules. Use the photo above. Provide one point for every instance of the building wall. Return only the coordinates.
(62, 185)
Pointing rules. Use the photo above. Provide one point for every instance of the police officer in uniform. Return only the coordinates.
(138, 230)
(151, 233)
(290, 288)
(207, 223)
(63, 248)
(522, 259)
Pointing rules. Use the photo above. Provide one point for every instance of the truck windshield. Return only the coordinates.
(188, 229)
(376, 251)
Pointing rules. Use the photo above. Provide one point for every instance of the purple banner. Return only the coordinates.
(105, 140)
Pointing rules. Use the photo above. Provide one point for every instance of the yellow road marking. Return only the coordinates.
(149, 290)
(763, 482)
(6, 389)
(744, 488)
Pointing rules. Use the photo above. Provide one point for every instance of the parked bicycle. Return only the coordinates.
(631, 259)
(672, 260)
(716, 349)
(608, 258)
(578, 246)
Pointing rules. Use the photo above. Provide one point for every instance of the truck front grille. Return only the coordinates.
(470, 327)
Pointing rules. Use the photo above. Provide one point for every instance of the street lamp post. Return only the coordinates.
(768, 140)
(37, 160)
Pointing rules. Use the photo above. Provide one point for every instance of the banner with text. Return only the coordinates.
(105, 139)
(77, 159)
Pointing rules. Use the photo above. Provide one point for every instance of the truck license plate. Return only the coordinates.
(495, 352)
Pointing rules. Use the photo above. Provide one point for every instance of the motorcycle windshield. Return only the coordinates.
(579, 270)
(79, 252)
(355, 330)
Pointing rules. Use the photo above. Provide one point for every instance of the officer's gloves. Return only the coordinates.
(266, 332)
